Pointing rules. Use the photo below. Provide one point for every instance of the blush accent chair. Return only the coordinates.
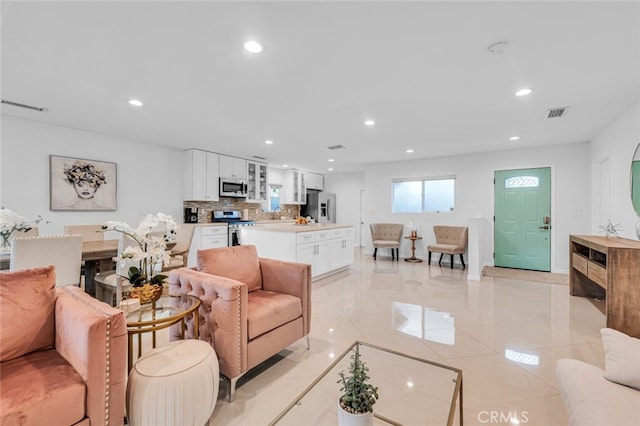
(450, 240)
(252, 307)
(63, 354)
(386, 235)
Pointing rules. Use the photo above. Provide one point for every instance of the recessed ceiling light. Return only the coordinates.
(253, 46)
(331, 160)
(269, 142)
(369, 122)
(285, 165)
(135, 102)
(409, 151)
(514, 138)
(498, 48)
(330, 169)
(524, 92)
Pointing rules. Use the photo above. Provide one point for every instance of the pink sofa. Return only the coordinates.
(63, 353)
(252, 308)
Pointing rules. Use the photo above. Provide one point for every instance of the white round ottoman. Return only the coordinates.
(176, 384)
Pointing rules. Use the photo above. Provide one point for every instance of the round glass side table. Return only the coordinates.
(164, 313)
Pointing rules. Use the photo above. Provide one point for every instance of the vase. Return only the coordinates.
(147, 293)
(349, 419)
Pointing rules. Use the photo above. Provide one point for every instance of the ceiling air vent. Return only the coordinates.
(259, 158)
(333, 147)
(19, 105)
(557, 112)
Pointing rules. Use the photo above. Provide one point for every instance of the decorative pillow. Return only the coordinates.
(622, 358)
(239, 263)
(27, 306)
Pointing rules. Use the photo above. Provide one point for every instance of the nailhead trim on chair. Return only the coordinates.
(237, 289)
(108, 356)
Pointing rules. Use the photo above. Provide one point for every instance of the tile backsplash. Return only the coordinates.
(290, 211)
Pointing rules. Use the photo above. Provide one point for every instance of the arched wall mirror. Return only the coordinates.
(635, 181)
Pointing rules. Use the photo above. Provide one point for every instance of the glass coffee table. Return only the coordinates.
(411, 391)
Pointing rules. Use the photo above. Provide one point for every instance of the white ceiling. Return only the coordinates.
(421, 70)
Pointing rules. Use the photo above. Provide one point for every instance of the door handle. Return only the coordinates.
(544, 227)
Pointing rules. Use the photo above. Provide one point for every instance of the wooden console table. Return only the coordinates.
(608, 267)
(413, 258)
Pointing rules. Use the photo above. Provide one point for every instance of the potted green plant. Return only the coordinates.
(355, 406)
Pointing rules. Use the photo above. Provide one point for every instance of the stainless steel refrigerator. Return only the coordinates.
(321, 206)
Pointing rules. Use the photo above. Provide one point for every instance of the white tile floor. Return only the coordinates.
(505, 335)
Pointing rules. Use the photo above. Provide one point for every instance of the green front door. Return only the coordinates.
(522, 237)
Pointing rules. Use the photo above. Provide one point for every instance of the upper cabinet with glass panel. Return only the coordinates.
(635, 181)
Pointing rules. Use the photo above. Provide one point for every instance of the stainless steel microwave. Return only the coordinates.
(233, 187)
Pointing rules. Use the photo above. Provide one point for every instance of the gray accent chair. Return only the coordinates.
(450, 240)
(388, 236)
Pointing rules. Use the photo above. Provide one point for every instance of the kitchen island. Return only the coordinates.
(327, 247)
(207, 235)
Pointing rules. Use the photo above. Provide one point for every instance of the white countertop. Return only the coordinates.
(292, 227)
(274, 221)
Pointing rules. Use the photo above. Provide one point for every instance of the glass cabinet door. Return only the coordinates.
(256, 181)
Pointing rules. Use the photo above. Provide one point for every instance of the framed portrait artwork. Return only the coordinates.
(80, 184)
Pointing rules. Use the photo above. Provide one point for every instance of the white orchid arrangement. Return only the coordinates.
(151, 249)
(11, 221)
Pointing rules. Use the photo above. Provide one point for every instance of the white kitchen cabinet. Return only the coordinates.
(205, 237)
(232, 167)
(313, 248)
(306, 253)
(341, 248)
(336, 249)
(200, 175)
(256, 181)
(295, 187)
(325, 250)
(321, 261)
(348, 246)
(275, 175)
(315, 181)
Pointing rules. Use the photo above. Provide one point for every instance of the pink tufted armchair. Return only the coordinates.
(252, 308)
(63, 353)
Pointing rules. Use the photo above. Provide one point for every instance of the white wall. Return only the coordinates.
(474, 194)
(617, 143)
(347, 188)
(149, 176)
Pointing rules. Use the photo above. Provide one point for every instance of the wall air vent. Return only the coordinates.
(19, 105)
(557, 112)
(259, 158)
(332, 147)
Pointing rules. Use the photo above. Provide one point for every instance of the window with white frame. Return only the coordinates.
(424, 195)
(274, 198)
